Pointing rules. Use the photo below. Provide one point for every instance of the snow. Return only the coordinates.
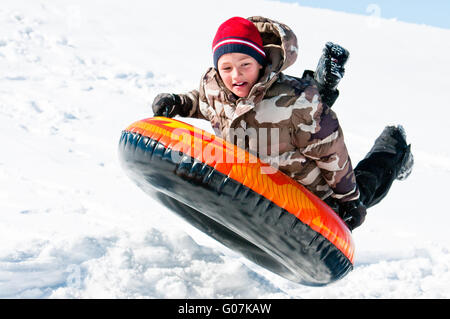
(75, 73)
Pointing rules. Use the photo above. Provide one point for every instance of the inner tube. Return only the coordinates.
(269, 218)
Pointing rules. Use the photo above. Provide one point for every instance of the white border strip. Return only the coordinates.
(238, 41)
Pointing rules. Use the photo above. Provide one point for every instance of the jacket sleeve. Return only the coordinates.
(194, 102)
(191, 105)
(324, 143)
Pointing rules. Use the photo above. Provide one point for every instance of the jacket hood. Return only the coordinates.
(279, 41)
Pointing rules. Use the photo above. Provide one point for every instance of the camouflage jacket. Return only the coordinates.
(282, 120)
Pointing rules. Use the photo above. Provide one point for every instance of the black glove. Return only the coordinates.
(328, 96)
(330, 69)
(167, 104)
(353, 213)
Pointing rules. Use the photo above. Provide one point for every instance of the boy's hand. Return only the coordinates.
(166, 104)
(353, 213)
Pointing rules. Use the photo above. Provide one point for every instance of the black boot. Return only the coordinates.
(393, 141)
(389, 159)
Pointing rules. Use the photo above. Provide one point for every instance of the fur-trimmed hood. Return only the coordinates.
(279, 41)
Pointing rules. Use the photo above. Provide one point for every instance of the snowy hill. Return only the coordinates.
(75, 73)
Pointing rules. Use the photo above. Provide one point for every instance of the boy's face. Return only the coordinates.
(239, 72)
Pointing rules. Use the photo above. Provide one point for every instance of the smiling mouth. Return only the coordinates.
(239, 84)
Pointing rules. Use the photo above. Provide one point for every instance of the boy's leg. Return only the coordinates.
(389, 159)
(374, 176)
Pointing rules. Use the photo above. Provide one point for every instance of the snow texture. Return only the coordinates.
(75, 73)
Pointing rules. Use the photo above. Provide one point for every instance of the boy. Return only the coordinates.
(247, 90)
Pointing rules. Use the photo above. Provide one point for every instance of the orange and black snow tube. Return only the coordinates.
(228, 193)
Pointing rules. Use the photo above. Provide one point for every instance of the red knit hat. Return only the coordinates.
(238, 35)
